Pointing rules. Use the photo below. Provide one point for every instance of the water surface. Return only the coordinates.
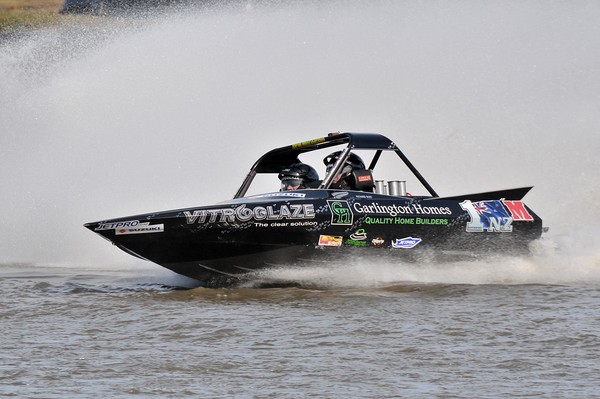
(70, 333)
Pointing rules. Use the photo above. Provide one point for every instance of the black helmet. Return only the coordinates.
(353, 162)
(298, 175)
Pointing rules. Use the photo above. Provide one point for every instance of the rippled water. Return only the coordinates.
(68, 333)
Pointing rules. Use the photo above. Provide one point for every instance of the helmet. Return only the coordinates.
(298, 175)
(353, 162)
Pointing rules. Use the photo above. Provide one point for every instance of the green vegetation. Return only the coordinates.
(17, 15)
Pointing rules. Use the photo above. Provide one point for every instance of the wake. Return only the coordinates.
(547, 264)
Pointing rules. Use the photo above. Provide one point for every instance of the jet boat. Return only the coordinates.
(378, 218)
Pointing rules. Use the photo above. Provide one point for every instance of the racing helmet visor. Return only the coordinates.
(291, 183)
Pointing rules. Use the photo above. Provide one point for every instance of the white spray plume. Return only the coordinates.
(124, 116)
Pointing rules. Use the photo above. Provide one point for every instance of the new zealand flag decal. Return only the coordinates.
(490, 216)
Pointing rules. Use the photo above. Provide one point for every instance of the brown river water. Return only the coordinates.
(71, 333)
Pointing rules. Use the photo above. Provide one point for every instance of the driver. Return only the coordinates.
(344, 179)
(298, 175)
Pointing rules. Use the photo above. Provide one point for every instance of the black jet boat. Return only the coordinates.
(377, 218)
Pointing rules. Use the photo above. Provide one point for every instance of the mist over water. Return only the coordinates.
(120, 116)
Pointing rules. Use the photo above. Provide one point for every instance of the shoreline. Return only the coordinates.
(18, 16)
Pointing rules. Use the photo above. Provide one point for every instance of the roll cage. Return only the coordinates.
(275, 160)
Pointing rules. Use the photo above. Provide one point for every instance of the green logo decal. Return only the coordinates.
(340, 212)
(358, 239)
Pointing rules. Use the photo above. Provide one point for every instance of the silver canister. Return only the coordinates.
(397, 188)
(380, 187)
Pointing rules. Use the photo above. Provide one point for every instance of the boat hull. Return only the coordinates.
(220, 244)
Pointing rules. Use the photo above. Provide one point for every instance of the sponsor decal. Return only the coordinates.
(396, 209)
(364, 178)
(243, 213)
(518, 211)
(377, 241)
(285, 224)
(141, 228)
(359, 235)
(339, 194)
(494, 216)
(341, 214)
(358, 238)
(330, 241)
(406, 242)
(117, 225)
(281, 194)
(404, 220)
(308, 143)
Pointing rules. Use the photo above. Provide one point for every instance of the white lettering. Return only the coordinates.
(475, 225)
(244, 214)
(394, 210)
(110, 226)
(191, 217)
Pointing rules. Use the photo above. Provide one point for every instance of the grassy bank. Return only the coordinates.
(16, 15)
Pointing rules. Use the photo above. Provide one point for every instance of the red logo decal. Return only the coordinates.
(517, 210)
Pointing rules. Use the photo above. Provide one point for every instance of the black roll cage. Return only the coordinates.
(275, 160)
